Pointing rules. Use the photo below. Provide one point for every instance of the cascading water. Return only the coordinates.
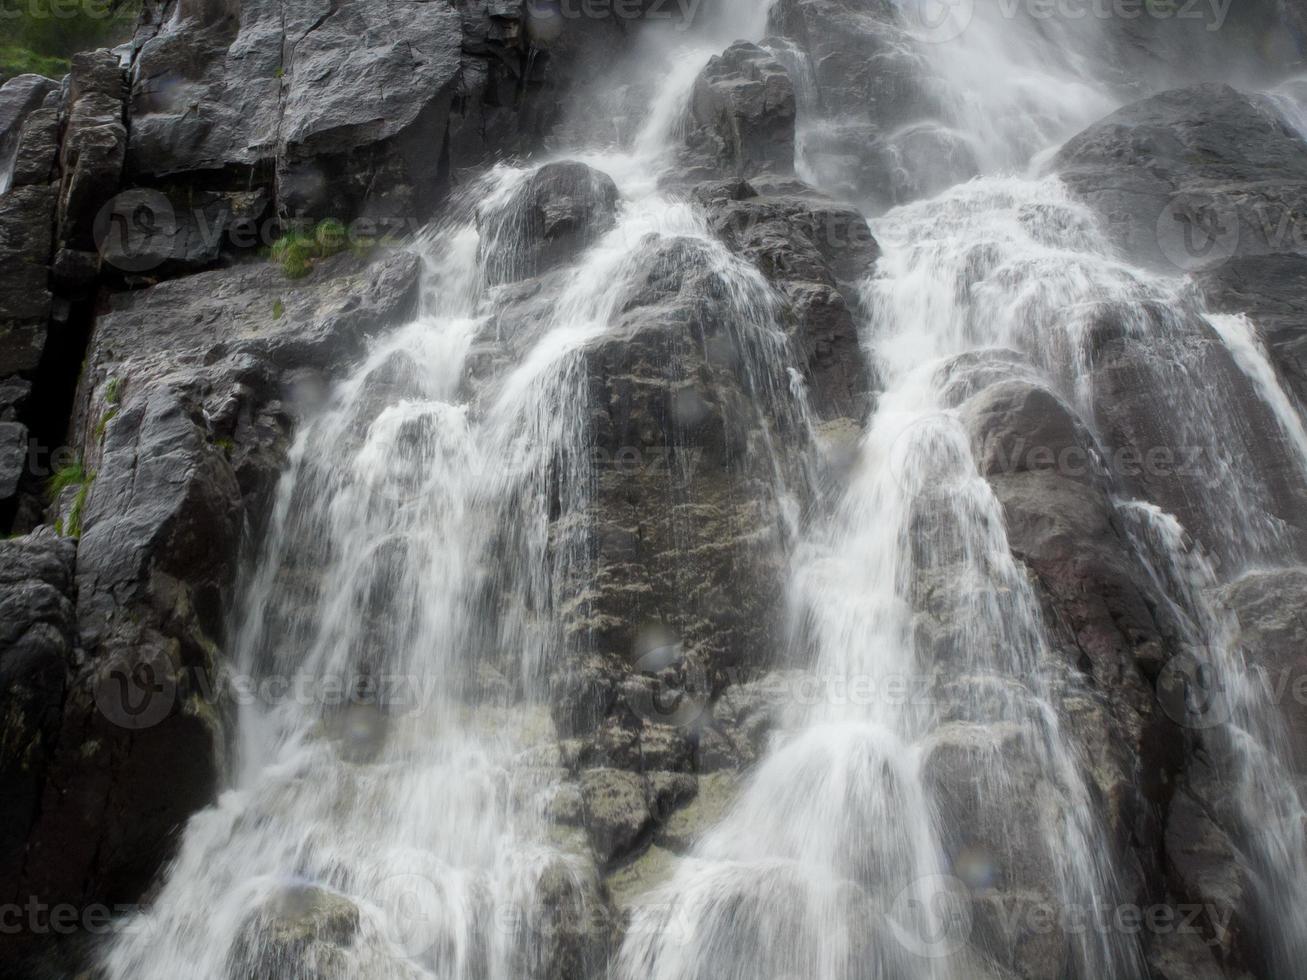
(387, 815)
(842, 857)
(416, 542)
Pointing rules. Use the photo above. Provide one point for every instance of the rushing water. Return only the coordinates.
(387, 811)
(414, 550)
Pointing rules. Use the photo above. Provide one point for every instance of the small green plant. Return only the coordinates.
(74, 525)
(278, 309)
(280, 72)
(226, 444)
(105, 419)
(296, 250)
(113, 391)
(71, 475)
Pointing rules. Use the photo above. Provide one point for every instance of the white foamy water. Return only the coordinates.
(413, 557)
(414, 536)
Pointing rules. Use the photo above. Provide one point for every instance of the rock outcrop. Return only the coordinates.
(184, 415)
(742, 114)
(558, 211)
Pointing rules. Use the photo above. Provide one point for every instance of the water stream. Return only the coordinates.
(413, 553)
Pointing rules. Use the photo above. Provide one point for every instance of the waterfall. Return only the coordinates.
(388, 813)
(842, 858)
(391, 812)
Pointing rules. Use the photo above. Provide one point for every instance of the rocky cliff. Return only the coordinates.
(161, 339)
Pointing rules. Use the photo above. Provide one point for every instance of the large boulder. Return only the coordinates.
(742, 115)
(556, 212)
(815, 254)
(94, 145)
(332, 96)
(874, 127)
(1193, 177)
(1146, 358)
(1104, 615)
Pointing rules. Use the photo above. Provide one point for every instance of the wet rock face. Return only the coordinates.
(26, 241)
(879, 139)
(1100, 607)
(37, 637)
(1206, 181)
(257, 85)
(343, 110)
(19, 98)
(742, 115)
(558, 211)
(1273, 633)
(184, 414)
(685, 522)
(814, 253)
(1192, 177)
(1163, 457)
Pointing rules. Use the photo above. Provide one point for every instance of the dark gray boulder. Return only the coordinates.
(19, 97)
(36, 148)
(1272, 290)
(26, 242)
(1273, 635)
(546, 222)
(875, 131)
(1190, 178)
(347, 109)
(742, 113)
(814, 253)
(1147, 360)
(94, 145)
(37, 638)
